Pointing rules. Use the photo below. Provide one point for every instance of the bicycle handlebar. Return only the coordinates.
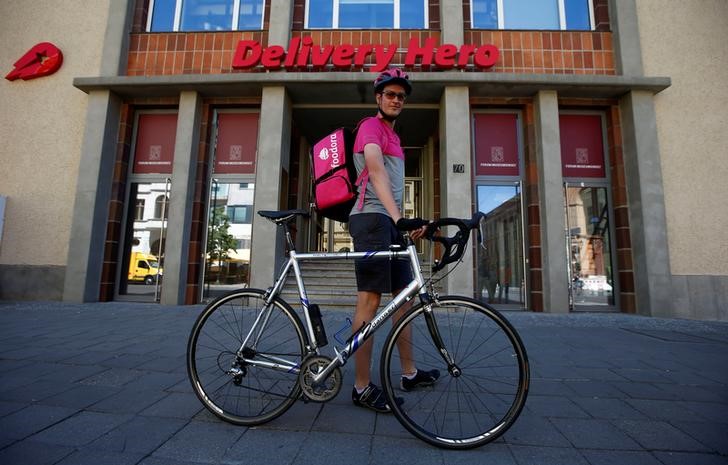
(454, 245)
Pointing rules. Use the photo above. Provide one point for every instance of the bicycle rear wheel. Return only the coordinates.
(224, 374)
(480, 396)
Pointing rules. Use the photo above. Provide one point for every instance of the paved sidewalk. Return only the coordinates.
(106, 384)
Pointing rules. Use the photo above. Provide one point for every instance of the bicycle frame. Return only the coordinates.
(416, 286)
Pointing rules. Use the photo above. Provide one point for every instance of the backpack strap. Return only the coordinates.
(361, 183)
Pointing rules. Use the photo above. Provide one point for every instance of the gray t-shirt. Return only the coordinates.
(375, 131)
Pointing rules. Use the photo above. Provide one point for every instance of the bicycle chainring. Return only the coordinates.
(326, 389)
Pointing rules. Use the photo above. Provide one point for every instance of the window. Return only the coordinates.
(205, 15)
(532, 15)
(139, 210)
(366, 14)
(161, 204)
(240, 214)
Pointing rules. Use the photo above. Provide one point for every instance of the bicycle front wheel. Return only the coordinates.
(476, 398)
(252, 383)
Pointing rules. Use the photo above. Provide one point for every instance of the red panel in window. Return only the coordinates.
(582, 147)
(154, 150)
(496, 145)
(237, 143)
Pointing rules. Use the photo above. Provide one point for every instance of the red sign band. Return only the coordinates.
(303, 52)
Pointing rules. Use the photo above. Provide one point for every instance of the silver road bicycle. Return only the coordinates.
(250, 355)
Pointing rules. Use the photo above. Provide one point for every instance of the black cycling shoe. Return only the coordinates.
(422, 378)
(373, 398)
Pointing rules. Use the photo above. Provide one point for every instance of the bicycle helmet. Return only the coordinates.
(392, 76)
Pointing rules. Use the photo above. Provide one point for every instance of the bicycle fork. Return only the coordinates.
(452, 367)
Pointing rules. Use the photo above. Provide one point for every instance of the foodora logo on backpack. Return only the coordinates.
(331, 151)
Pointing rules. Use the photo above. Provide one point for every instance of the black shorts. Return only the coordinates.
(371, 232)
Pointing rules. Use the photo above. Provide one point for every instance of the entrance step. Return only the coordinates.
(330, 284)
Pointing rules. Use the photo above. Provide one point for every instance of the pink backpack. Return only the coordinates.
(334, 175)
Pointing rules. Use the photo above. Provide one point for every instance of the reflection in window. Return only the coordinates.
(366, 14)
(532, 15)
(501, 277)
(240, 214)
(161, 204)
(139, 210)
(205, 15)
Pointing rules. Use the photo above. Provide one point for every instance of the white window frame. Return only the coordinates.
(562, 16)
(396, 23)
(178, 16)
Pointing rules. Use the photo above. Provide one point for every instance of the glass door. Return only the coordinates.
(229, 237)
(500, 266)
(589, 248)
(142, 267)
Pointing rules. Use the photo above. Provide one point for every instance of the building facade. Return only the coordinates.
(589, 131)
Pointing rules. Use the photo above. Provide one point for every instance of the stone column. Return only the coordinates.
(451, 21)
(646, 200)
(279, 29)
(93, 191)
(552, 213)
(625, 27)
(274, 140)
(177, 234)
(456, 187)
(82, 281)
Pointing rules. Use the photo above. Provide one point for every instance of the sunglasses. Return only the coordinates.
(394, 95)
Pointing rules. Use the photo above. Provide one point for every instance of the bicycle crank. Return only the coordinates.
(326, 389)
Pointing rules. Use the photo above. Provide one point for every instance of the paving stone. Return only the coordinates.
(594, 434)
(175, 405)
(712, 435)
(644, 391)
(689, 458)
(557, 407)
(527, 455)
(6, 408)
(663, 409)
(299, 417)
(658, 435)
(32, 419)
(492, 453)
(259, 446)
(140, 435)
(200, 442)
(33, 453)
(535, 431)
(95, 457)
(607, 408)
(114, 377)
(128, 401)
(80, 396)
(588, 388)
(406, 451)
(80, 429)
(620, 457)
(345, 418)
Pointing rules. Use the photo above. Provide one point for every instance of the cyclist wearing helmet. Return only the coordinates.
(372, 226)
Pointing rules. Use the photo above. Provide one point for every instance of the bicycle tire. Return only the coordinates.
(260, 394)
(478, 405)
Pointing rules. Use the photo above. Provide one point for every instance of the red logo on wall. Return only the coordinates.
(41, 60)
(302, 52)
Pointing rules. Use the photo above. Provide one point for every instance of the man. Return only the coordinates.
(372, 226)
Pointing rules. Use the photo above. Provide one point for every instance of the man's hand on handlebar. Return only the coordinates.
(417, 227)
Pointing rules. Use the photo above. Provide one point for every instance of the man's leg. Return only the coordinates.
(404, 342)
(366, 307)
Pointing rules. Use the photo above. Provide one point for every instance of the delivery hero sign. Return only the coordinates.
(302, 51)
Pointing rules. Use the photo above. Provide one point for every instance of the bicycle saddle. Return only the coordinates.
(282, 216)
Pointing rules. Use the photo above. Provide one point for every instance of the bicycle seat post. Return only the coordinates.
(289, 238)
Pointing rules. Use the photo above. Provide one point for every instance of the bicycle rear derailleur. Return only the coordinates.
(328, 388)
